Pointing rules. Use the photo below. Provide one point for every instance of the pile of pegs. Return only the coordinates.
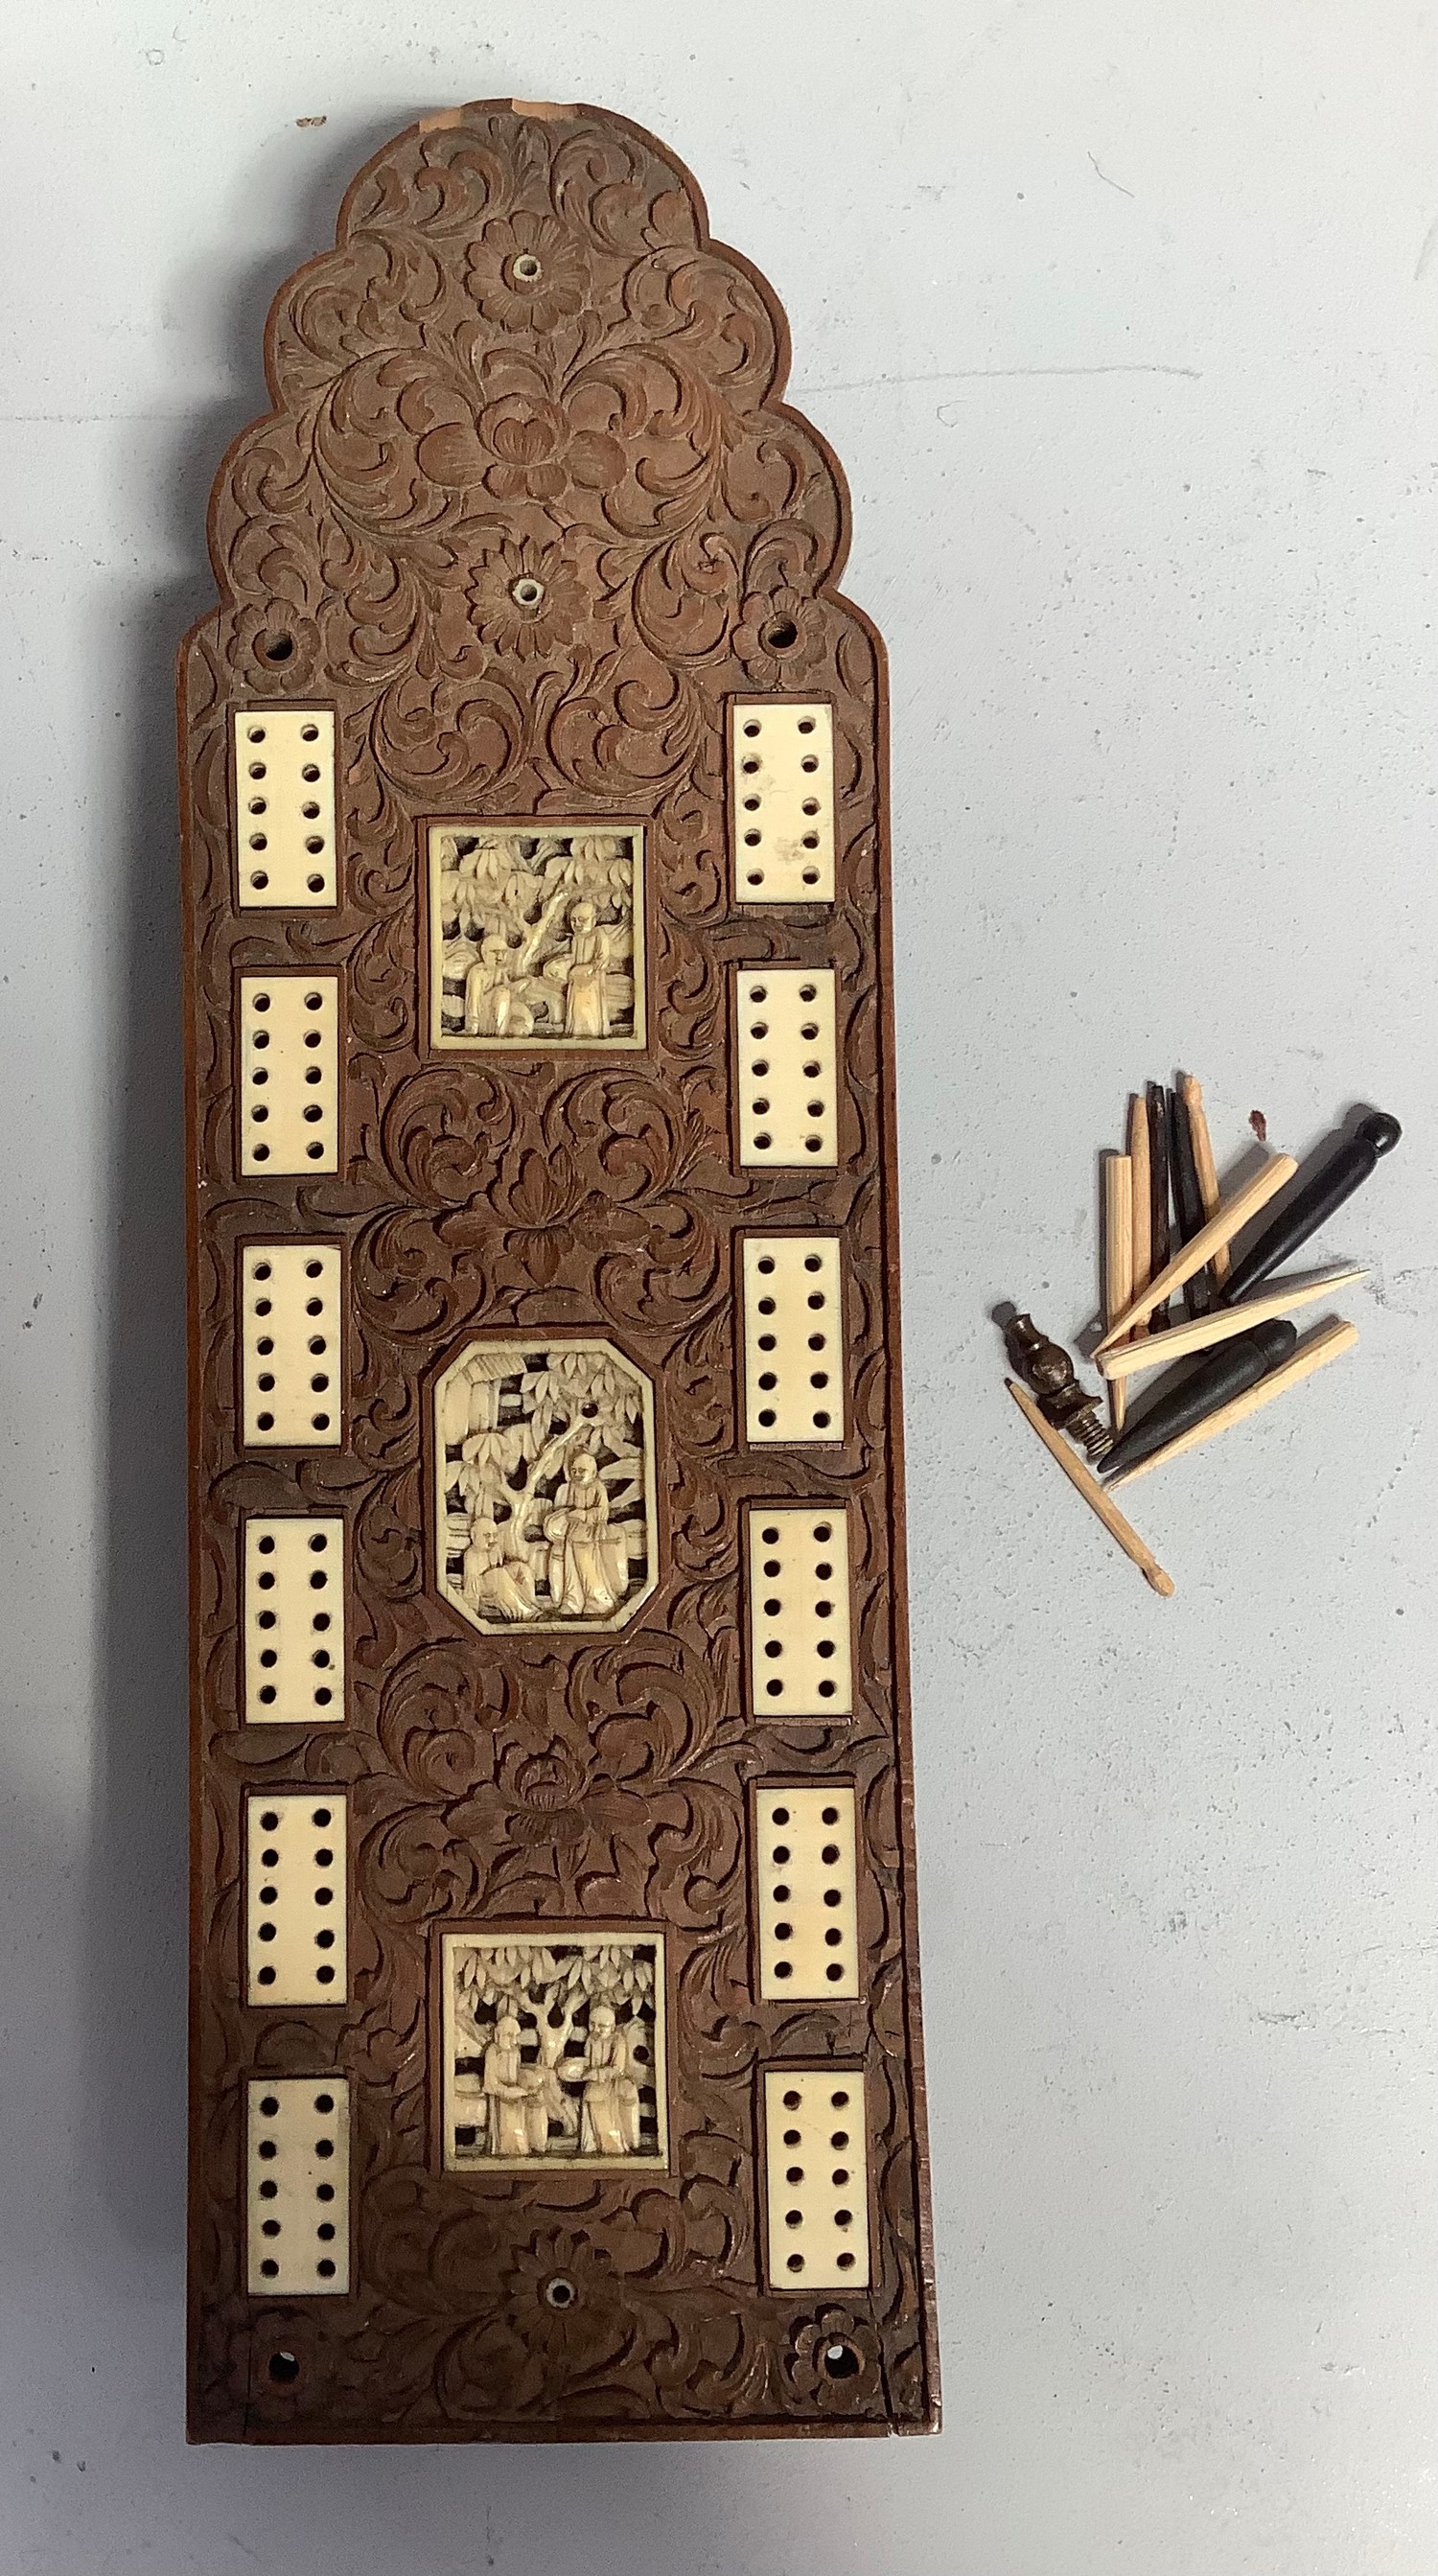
(1163, 1191)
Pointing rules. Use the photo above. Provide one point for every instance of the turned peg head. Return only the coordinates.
(1381, 1131)
(1045, 1364)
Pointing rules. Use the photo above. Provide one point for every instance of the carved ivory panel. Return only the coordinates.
(557, 2066)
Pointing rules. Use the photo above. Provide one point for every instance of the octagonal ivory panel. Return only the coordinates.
(544, 1464)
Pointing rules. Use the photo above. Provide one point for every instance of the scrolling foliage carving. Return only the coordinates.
(528, 510)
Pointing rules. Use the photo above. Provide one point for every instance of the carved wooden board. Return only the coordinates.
(556, 2058)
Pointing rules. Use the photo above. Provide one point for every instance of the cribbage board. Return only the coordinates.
(556, 2063)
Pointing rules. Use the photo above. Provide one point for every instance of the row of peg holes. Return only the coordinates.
(316, 1344)
(839, 2139)
(259, 805)
(812, 1071)
(324, 1859)
(826, 1649)
(313, 1073)
(816, 1302)
(784, 1931)
(266, 1619)
(753, 804)
(324, 2103)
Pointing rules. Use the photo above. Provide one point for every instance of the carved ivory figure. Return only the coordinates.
(496, 1579)
(494, 1000)
(609, 2120)
(585, 972)
(586, 1570)
(489, 990)
(518, 2119)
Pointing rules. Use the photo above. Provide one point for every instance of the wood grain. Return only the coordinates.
(1192, 1093)
(1329, 1343)
(1117, 1258)
(1221, 1228)
(1128, 1358)
(1141, 1252)
(529, 514)
(1094, 1494)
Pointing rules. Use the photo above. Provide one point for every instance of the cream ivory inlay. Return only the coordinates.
(553, 2049)
(544, 1454)
(793, 1338)
(290, 1345)
(294, 1619)
(808, 1897)
(284, 766)
(785, 1068)
(296, 1895)
(298, 2200)
(536, 935)
(817, 2177)
(781, 798)
(289, 1073)
(800, 1650)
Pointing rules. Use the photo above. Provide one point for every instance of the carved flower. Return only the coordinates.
(556, 2318)
(525, 598)
(779, 637)
(275, 647)
(833, 2361)
(538, 1197)
(526, 272)
(539, 451)
(549, 1788)
(559, 2289)
(521, 446)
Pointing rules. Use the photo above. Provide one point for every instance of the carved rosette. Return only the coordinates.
(527, 512)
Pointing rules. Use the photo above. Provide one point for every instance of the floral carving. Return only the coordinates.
(778, 638)
(526, 272)
(528, 509)
(833, 2359)
(525, 598)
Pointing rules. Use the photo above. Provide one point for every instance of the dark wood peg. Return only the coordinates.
(1183, 1399)
(1187, 1196)
(1334, 1181)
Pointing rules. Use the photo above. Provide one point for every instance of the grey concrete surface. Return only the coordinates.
(1122, 318)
